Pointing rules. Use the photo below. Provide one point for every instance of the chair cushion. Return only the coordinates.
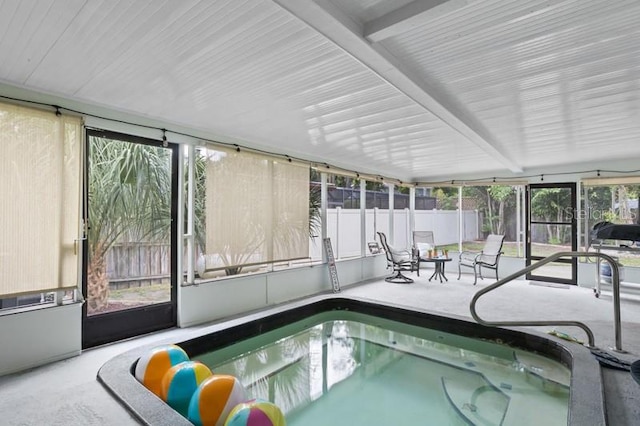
(400, 255)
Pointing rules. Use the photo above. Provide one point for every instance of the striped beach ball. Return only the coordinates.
(214, 399)
(154, 364)
(256, 412)
(181, 381)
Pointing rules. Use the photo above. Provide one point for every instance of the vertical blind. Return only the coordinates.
(40, 190)
(257, 210)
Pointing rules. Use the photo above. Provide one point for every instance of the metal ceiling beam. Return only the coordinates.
(408, 17)
(327, 19)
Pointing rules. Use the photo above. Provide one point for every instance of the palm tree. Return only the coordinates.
(200, 190)
(315, 218)
(129, 200)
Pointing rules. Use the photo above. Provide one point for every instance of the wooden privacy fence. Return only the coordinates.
(138, 264)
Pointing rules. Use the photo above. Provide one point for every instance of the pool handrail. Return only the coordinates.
(615, 280)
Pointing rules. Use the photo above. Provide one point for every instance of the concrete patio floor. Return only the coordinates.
(67, 392)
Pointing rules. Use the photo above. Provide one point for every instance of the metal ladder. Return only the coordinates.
(615, 280)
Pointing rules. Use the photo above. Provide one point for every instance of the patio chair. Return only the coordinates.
(487, 258)
(423, 241)
(399, 260)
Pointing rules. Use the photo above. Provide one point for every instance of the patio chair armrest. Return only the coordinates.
(469, 255)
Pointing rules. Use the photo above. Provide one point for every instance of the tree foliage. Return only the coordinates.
(129, 200)
(551, 205)
(129, 193)
(496, 205)
(447, 197)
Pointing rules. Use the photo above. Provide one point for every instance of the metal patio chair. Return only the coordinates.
(399, 260)
(488, 258)
(423, 241)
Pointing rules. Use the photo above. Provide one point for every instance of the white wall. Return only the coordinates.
(344, 222)
(444, 224)
(237, 295)
(376, 221)
(39, 336)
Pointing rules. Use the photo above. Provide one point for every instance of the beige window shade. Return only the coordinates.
(606, 181)
(257, 210)
(39, 184)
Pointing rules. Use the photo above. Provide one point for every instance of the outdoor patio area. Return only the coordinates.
(34, 397)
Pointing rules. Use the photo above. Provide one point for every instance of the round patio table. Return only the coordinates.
(439, 266)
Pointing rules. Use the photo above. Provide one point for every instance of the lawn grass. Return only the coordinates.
(152, 293)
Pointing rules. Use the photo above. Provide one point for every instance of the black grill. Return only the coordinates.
(612, 231)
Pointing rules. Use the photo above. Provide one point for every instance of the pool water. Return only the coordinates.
(361, 370)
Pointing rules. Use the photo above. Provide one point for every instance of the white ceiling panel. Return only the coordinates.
(363, 11)
(28, 30)
(555, 82)
(404, 88)
(247, 70)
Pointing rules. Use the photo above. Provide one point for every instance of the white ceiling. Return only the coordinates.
(416, 90)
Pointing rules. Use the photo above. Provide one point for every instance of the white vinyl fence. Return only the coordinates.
(343, 227)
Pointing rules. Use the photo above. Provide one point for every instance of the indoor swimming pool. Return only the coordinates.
(342, 361)
(355, 369)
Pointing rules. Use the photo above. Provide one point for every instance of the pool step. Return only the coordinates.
(543, 373)
(509, 383)
(476, 400)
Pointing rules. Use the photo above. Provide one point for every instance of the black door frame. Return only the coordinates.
(112, 326)
(574, 233)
